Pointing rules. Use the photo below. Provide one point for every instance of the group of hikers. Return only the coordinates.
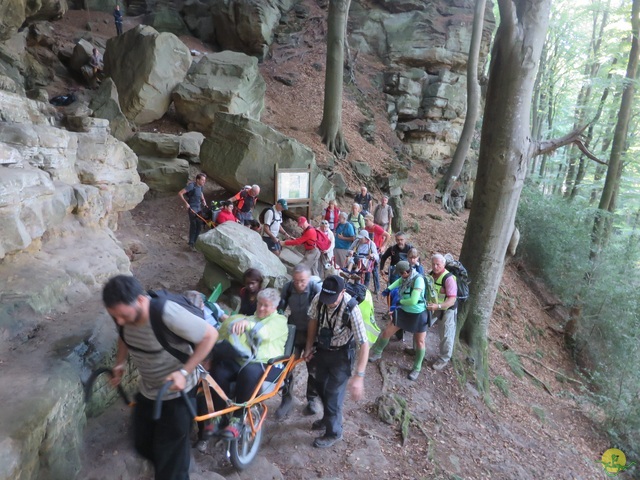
(168, 335)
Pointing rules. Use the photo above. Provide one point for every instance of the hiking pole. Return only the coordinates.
(88, 386)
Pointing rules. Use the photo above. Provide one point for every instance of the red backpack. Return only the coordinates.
(323, 242)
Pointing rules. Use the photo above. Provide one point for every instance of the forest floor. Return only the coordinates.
(534, 427)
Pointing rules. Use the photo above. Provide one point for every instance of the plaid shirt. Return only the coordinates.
(341, 332)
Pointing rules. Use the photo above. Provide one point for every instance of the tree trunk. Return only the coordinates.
(331, 126)
(473, 104)
(505, 149)
(614, 169)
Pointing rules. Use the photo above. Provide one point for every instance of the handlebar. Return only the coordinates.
(88, 386)
(157, 406)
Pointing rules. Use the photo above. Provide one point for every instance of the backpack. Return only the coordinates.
(454, 267)
(160, 330)
(263, 214)
(323, 242)
(362, 295)
(314, 289)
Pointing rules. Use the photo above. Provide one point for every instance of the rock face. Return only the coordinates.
(13, 13)
(235, 248)
(106, 104)
(227, 82)
(60, 196)
(146, 66)
(241, 151)
(158, 163)
(426, 46)
(247, 25)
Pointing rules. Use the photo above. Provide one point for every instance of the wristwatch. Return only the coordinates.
(439, 307)
(360, 374)
(184, 372)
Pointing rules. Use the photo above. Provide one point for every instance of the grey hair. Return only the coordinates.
(255, 187)
(271, 295)
(195, 298)
(301, 268)
(357, 205)
(343, 214)
(438, 256)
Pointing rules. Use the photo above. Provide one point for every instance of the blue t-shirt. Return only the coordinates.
(194, 196)
(347, 230)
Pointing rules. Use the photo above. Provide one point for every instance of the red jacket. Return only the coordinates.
(225, 216)
(378, 234)
(336, 217)
(308, 239)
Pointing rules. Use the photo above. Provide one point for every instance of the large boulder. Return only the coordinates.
(106, 104)
(235, 248)
(247, 25)
(198, 18)
(146, 66)
(220, 82)
(13, 13)
(166, 19)
(241, 151)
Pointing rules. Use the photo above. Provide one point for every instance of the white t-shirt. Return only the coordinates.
(272, 219)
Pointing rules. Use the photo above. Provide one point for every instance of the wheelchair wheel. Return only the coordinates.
(245, 448)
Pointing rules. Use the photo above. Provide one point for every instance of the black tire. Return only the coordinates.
(244, 449)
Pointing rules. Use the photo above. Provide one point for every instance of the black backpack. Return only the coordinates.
(313, 291)
(357, 291)
(160, 330)
(454, 267)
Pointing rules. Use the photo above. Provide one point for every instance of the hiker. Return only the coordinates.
(226, 213)
(193, 197)
(326, 257)
(355, 217)
(363, 251)
(117, 17)
(331, 214)
(383, 214)
(336, 325)
(345, 234)
(397, 252)
(411, 315)
(252, 280)
(309, 239)
(95, 62)
(296, 295)
(364, 199)
(446, 310)
(164, 442)
(272, 226)
(380, 238)
(269, 329)
(246, 198)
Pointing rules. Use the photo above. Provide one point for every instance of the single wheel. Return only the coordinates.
(245, 448)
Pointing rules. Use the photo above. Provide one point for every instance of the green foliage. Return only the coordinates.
(555, 241)
(502, 384)
(513, 360)
(539, 412)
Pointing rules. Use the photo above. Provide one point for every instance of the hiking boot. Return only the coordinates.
(374, 356)
(439, 365)
(311, 408)
(326, 441)
(318, 425)
(285, 407)
(232, 430)
(413, 375)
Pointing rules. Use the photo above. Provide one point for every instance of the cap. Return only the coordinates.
(283, 203)
(363, 234)
(401, 267)
(302, 220)
(325, 222)
(332, 287)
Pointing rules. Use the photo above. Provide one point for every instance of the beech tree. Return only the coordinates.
(506, 147)
(331, 126)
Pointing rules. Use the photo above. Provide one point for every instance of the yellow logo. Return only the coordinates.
(614, 461)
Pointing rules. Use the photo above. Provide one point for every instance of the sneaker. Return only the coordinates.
(232, 430)
(318, 425)
(413, 375)
(311, 408)
(374, 357)
(439, 365)
(285, 407)
(326, 441)
(211, 428)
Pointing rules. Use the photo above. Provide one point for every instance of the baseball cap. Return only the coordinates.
(302, 220)
(332, 287)
(401, 267)
(363, 234)
(283, 203)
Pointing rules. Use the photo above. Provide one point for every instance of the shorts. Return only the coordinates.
(272, 244)
(411, 322)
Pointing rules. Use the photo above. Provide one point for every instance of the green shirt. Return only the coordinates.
(411, 300)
